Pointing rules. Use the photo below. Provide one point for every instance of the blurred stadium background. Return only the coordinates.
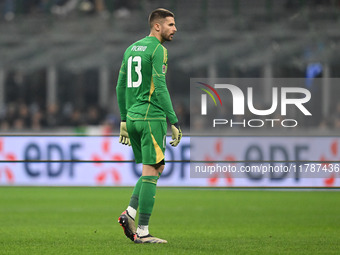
(59, 59)
(59, 62)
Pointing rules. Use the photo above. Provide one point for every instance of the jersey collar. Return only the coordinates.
(153, 38)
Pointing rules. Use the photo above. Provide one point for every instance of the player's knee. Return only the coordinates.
(149, 170)
(155, 169)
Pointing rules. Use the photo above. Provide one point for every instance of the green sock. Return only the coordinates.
(147, 198)
(135, 194)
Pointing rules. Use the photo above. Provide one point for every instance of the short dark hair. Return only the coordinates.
(159, 13)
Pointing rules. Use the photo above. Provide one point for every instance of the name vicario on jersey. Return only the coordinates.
(139, 48)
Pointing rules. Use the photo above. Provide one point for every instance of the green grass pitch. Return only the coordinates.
(36, 220)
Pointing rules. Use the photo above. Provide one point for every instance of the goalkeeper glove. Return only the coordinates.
(176, 134)
(124, 136)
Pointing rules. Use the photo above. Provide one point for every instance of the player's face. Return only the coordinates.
(168, 29)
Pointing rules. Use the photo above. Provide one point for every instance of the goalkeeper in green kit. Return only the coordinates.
(144, 104)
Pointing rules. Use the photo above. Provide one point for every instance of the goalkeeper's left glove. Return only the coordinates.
(124, 136)
(176, 134)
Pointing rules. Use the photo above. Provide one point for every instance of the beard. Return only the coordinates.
(166, 37)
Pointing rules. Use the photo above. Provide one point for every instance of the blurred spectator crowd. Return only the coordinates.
(77, 107)
(21, 116)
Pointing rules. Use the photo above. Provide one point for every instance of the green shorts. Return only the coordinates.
(147, 140)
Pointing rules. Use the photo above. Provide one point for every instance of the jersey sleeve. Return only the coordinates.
(121, 90)
(159, 68)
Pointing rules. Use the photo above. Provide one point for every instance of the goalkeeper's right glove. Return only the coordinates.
(176, 134)
(124, 136)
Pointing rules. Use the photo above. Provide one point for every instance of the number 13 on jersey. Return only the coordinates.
(138, 68)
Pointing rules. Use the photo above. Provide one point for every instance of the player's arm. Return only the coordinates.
(159, 66)
(120, 90)
(121, 98)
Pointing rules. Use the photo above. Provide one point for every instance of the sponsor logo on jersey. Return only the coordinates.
(139, 48)
(163, 68)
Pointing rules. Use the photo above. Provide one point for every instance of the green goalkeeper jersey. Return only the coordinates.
(141, 89)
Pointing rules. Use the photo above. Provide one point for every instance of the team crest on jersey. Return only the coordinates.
(164, 68)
